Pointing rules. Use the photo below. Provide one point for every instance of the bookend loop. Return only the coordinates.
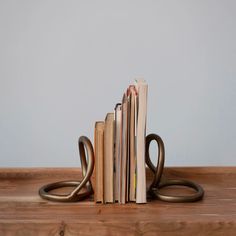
(84, 185)
(158, 182)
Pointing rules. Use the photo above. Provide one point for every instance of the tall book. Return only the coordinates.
(117, 152)
(99, 154)
(109, 159)
(142, 88)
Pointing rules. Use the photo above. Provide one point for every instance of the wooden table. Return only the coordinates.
(23, 212)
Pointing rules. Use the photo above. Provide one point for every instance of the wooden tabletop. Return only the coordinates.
(23, 212)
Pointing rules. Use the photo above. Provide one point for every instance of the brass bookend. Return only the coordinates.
(160, 182)
(85, 183)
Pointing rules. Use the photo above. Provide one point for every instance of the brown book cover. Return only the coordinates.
(109, 159)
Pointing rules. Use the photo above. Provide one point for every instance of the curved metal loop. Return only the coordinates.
(85, 183)
(158, 170)
(158, 183)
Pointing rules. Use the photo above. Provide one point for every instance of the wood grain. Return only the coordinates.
(23, 212)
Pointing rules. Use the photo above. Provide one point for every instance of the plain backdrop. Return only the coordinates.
(65, 64)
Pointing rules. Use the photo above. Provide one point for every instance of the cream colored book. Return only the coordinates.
(124, 150)
(109, 159)
(142, 89)
(117, 152)
(99, 154)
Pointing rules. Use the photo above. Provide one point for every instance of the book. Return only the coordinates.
(124, 149)
(99, 154)
(117, 152)
(109, 159)
(132, 94)
(128, 148)
(141, 87)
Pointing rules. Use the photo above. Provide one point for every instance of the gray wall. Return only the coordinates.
(64, 65)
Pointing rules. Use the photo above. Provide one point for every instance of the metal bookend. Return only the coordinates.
(85, 183)
(159, 182)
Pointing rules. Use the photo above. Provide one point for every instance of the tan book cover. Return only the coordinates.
(109, 159)
(132, 94)
(99, 154)
(141, 87)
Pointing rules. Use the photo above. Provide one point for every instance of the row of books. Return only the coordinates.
(119, 147)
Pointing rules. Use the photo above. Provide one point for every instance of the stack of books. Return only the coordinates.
(119, 147)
